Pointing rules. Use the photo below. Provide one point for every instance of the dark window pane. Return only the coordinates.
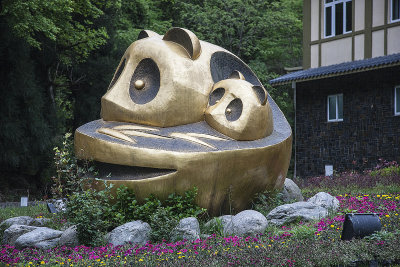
(349, 15)
(340, 106)
(339, 19)
(395, 9)
(328, 1)
(397, 100)
(331, 107)
(328, 21)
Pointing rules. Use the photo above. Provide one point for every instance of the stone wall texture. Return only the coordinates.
(369, 130)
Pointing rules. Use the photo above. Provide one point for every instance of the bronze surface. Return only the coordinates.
(180, 113)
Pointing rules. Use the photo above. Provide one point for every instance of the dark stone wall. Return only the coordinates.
(369, 129)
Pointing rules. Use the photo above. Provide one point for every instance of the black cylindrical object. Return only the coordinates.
(359, 225)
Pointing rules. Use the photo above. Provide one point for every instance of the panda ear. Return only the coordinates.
(186, 39)
(147, 33)
(261, 93)
(236, 75)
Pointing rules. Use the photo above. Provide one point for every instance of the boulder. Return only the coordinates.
(325, 200)
(40, 221)
(11, 234)
(187, 228)
(41, 237)
(291, 192)
(69, 237)
(246, 223)
(21, 220)
(136, 232)
(305, 211)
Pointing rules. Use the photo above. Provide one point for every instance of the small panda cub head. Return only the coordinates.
(239, 109)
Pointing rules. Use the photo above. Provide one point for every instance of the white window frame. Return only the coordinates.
(391, 12)
(333, 24)
(336, 108)
(396, 88)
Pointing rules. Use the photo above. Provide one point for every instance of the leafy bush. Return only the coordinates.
(386, 168)
(162, 216)
(69, 174)
(267, 201)
(90, 210)
(162, 223)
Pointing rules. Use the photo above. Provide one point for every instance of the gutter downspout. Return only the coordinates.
(295, 135)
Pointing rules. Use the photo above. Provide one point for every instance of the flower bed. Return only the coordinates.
(301, 244)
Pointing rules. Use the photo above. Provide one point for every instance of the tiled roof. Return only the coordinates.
(338, 69)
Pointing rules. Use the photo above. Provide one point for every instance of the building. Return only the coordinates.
(347, 95)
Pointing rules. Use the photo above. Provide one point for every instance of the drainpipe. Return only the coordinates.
(295, 135)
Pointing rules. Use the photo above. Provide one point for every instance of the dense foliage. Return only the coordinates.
(58, 57)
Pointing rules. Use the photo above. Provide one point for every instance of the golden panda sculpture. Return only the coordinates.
(179, 113)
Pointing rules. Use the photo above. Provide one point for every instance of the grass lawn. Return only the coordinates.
(300, 244)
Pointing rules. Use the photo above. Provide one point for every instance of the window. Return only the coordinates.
(338, 17)
(335, 107)
(395, 10)
(397, 100)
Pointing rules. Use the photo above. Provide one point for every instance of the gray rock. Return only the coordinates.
(291, 191)
(225, 219)
(40, 221)
(136, 232)
(187, 228)
(41, 237)
(21, 220)
(325, 200)
(14, 231)
(246, 223)
(69, 237)
(288, 213)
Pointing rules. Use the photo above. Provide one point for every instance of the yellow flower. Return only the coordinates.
(180, 252)
(269, 245)
(140, 259)
(256, 246)
(396, 214)
(42, 262)
(332, 225)
(387, 215)
(378, 195)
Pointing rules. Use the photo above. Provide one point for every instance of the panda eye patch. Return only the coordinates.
(145, 82)
(234, 109)
(216, 95)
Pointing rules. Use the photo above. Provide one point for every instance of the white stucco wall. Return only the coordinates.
(335, 52)
(314, 19)
(378, 44)
(359, 47)
(393, 40)
(359, 15)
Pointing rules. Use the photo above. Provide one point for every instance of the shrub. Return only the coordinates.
(90, 210)
(267, 201)
(162, 223)
(69, 174)
(162, 216)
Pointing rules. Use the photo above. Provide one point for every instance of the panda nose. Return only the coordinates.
(139, 84)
